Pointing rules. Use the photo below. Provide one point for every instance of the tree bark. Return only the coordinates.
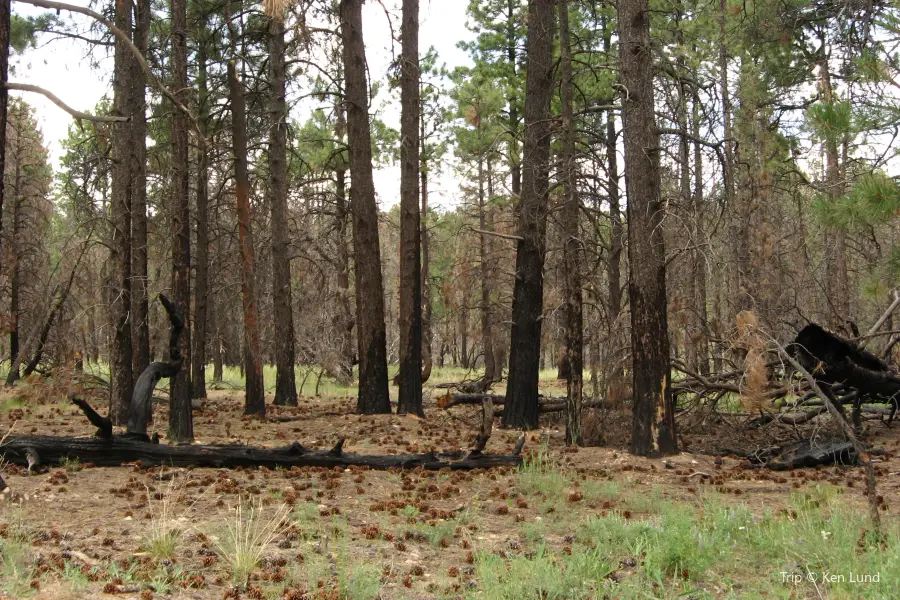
(487, 337)
(15, 256)
(653, 425)
(572, 240)
(427, 337)
(121, 374)
(521, 409)
(512, 45)
(371, 335)
(834, 243)
(5, 19)
(344, 321)
(285, 357)
(201, 277)
(410, 396)
(140, 308)
(181, 426)
(254, 403)
(115, 451)
(142, 400)
(614, 385)
(701, 313)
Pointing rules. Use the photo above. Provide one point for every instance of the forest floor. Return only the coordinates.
(570, 523)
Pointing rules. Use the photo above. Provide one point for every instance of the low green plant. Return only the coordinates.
(357, 581)
(249, 532)
(71, 465)
(167, 523)
(16, 567)
(539, 475)
(541, 575)
(74, 577)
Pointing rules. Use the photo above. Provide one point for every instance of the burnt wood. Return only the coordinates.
(118, 450)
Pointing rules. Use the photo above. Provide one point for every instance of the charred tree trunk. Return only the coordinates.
(285, 383)
(410, 396)
(121, 375)
(512, 45)
(521, 409)
(370, 325)
(614, 338)
(835, 245)
(140, 309)
(181, 426)
(701, 316)
(427, 337)
(142, 400)
(15, 282)
(487, 338)
(571, 236)
(653, 426)
(201, 278)
(114, 451)
(343, 320)
(5, 20)
(254, 403)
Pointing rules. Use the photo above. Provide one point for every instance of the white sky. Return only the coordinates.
(63, 67)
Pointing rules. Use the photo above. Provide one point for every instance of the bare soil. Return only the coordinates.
(94, 517)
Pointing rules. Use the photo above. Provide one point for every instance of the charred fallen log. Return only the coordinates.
(834, 360)
(810, 454)
(546, 404)
(118, 450)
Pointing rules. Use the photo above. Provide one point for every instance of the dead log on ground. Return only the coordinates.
(803, 351)
(546, 404)
(807, 454)
(119, 450)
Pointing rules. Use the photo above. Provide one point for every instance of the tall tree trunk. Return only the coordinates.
(615, 385)
(512, 43)
(5, 19)
(370, 331)
(740, 244)
(686, 206)
(343, 320)
(653, 427)
(835, 246)
(571, 237)
(181, 425)
(285, 357)
(701, 316)
(201, 277)
(521, 408)
(487, 337)
(122, 375)
(427, 337)
(410, 397)
(254, 403)
(15, 258)
(140, 308)
(491, 272)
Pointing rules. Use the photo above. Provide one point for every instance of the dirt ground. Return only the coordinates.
(86, 518)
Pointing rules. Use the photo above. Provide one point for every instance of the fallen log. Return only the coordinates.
(806, 454)
(119, 450)
(546, 404)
